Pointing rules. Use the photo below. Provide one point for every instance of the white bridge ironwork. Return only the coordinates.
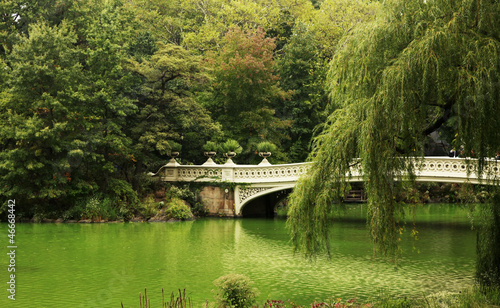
(263, 179)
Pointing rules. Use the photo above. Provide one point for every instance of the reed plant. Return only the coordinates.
(473, 297)
(176, 300)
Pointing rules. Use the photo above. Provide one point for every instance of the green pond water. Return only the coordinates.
(103, 265)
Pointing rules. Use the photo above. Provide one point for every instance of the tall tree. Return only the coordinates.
(303, 70)
(17, 16)
(396, 80)
(219, 16)
(336, 18)
(165, 20)
(200, 25)
(245, 87)
(105, 30)
(40, 116)
(64, 108)
(168, 106)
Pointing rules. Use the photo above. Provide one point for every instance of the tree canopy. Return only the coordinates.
(394, 80)
(246, 88)
(96, 93)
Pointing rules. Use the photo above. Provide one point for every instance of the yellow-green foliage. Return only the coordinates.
(393, 81)
(235, 290)
(177, 209)
(149, 208)
(98, 208)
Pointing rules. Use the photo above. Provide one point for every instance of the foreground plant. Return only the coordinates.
(334, 303)
(235, 290)
(236, 286)
(176, 301)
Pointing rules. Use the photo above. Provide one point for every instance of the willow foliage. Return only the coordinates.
(392, 82)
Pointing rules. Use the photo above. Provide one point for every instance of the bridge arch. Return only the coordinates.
(245, 196)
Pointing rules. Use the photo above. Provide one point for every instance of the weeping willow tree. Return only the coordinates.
(393, 82)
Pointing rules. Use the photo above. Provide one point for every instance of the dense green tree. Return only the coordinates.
(105, 30)
(168, 107)
(218, 16)
(303, 71)
(200, 25)
(303, 65)
(64, 108)
(40, 116)
(245, 87)
(17, 16)
(165, 20)
(93, 92)
(336, 18)
(396, 80)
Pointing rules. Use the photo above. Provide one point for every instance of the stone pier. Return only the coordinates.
(220, 201)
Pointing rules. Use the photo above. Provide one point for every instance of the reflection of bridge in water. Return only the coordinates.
(266, 179)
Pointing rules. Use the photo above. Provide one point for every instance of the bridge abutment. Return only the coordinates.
(220, 201)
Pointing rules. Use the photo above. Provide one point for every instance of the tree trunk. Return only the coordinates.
(488, 244)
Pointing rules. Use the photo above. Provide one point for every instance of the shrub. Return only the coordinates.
(231, 145)
(177, 209)
(75, 212)
(92, 208)
(266, 146)
(184, 193)
(149, 208)
(235, 290)
(210, 146)
(125, 197)
(200, 209)
(97, 208)
(123, 191)
(146, 184)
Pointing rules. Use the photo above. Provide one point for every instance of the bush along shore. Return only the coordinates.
(168, 203)
(237, 291)
(175, 202)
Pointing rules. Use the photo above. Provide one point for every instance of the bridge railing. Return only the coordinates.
(233, 173)
(433, 169)
(457, 170)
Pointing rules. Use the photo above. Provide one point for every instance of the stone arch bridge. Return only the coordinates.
(256, 181)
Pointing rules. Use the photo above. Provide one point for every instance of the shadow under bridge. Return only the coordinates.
(262, 201)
